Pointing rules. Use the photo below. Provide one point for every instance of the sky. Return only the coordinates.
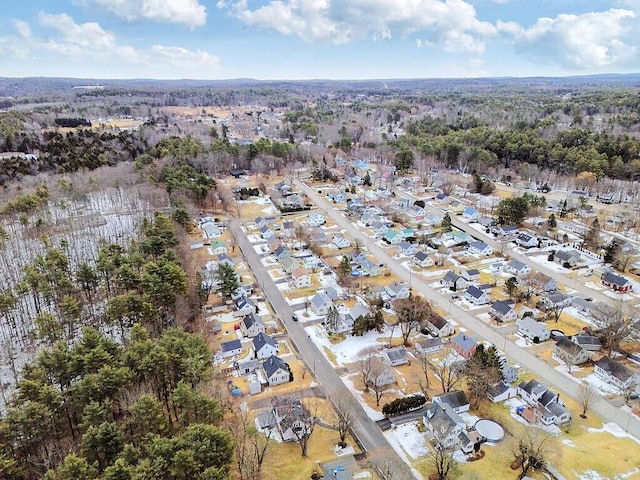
(317, 39)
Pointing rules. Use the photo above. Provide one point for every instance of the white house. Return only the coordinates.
(379, 228)
(219, 247)
(480, 248)
(397, 290)
(456, 400)
(301, 278)
(526, 241)
(321, 303)
(615, 373)
(503, 312)
(340, 241)
(407, 248)
(429, 345)
(394, 357)
(453, 281)
(379, 374)
(393, 237)
(476, 296)
(244, 306)
(567, 257)
(438, 326)
(276, 371)
(251, 325)
(470, 275)
(264, 346)
(501, 391)
(534, 331)
(444, 424)
(570, 352)
(470, 214)
(231, 348)
(266, 232)
(422, 260)
(517, 268)
(316, 219)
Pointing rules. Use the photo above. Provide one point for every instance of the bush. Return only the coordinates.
(403, 405)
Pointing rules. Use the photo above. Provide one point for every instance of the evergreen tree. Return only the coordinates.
(367, 180)
(552, 223)
(344, 270)
(227, 278)
(445, 225)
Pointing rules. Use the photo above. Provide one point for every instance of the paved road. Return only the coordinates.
(367, 432)
(543, 371)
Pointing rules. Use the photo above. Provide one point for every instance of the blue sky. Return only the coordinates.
(305, 39)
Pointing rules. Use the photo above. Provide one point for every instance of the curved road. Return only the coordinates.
(365, 429)
(542, 370)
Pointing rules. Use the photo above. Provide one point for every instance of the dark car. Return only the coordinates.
(294, 317)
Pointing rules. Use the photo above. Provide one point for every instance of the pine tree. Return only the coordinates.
(445, 225)
(227, 279)
(552, 223)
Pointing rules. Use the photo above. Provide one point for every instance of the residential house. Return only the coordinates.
(534, 331)
(568, 258)
(244, 306)
(379, 374)
(480, 248)
(406, 248)
(570, 352)
(471, 275)
(264, 346)
(531, 391)
(301, 278)
(422, 260)
(211, 230)
(456, 206)
(276, 371)
(340, 241)
(394, 357)
(438, 326)
(442, 198)
(616, 282)
(464, 345)
(219, 247)
(379, 228)
(590, 343)
(429, 345)
(503, 311)
(476, 296)
(431, 220)
(226, 259)
(231, 348)
(289, 264)
(281, 253)
(288, 228)
(509, 374)
(470, 214)
(556, 300)
(266, 232)
(456, 400)
(486, 287)
(443, 424)
(526, 241)
(368, 268)
(260, 222)
(582, 305)
(453, 281)
(517, 268)
(397, 290)
(615, 373)
(540, 283)
(506, 230)
(393, 237)
(285, 420)
(315, 219)
(251, 325)
(337, 197)
(293, 201)
(549, 409)
(321, 303)
(501, 391)
(318, 236)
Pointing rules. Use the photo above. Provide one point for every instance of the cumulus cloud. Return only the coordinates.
(90, 49)
(448, 24)
(588, 41)
(186, 12)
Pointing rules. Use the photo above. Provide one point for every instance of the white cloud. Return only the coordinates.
(448, 24)
(86, 49)
(592, 40)
(186, 12)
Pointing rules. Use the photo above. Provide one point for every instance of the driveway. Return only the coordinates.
(543, 371)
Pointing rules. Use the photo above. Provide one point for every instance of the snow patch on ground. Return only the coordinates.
(615, 430)
(407, 440)
(371, 413)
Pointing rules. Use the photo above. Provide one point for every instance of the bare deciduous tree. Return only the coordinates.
(251, 446)
(615, 323)
(425, 366)
(388, 465)
(411, 313)
(533, 449)
(440, 459)
(343, 406)
(448, 371)
(586, 396)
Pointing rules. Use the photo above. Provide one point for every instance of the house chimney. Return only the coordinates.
(558, 398)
